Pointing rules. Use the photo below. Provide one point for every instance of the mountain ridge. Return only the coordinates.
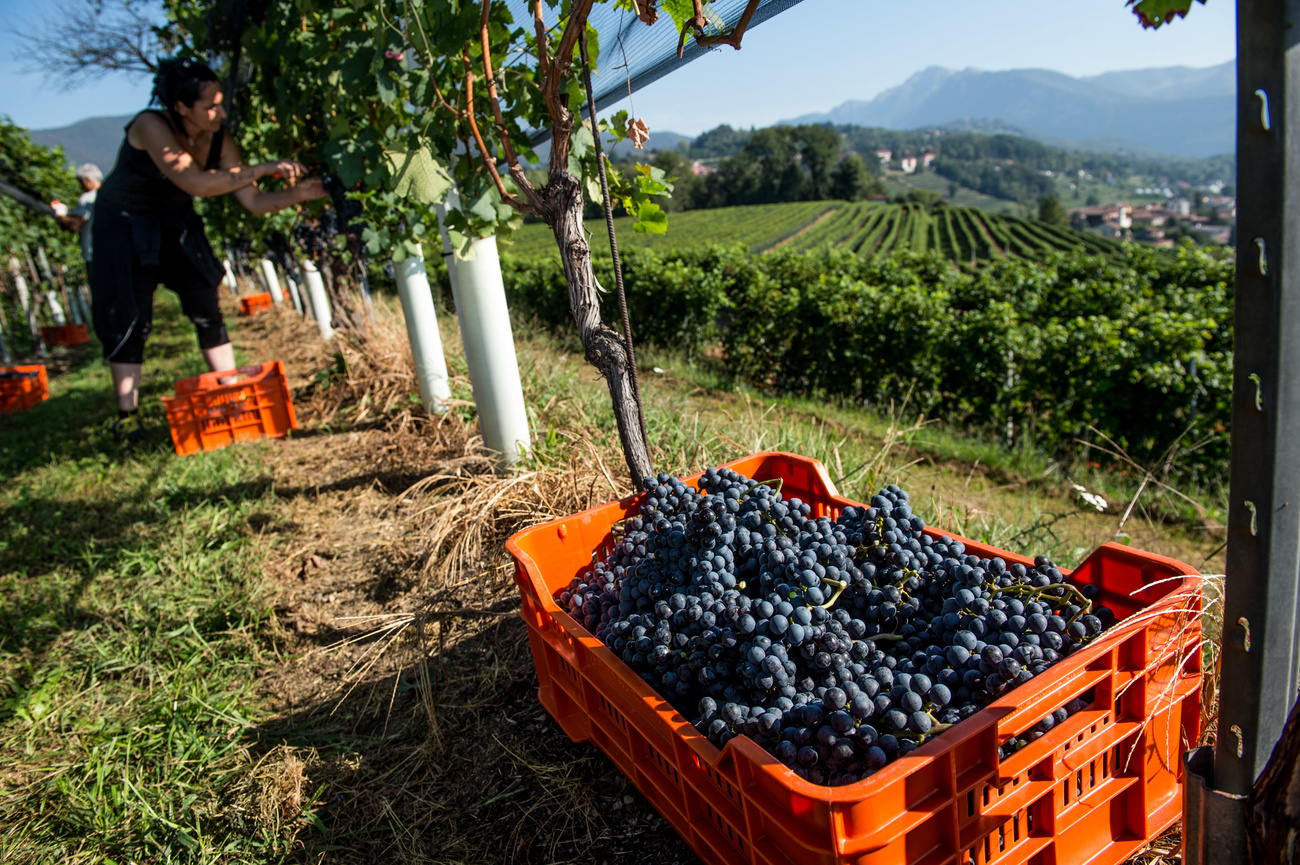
(1181, 111)
(92, 139)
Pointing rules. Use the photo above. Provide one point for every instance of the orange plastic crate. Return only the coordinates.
(1093, 790)
(22, 387)
(253, 303)
(205, 415)
(65, 334)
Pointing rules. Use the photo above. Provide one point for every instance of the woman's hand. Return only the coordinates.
(311, 189)
(284, 168)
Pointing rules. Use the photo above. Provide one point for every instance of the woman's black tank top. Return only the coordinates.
(136, 184)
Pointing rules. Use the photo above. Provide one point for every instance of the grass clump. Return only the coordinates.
(131, 612)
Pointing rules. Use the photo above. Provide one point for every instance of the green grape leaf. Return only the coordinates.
(580, 144)
(617, 125)
(1153, 13)
(418, 175)
(485, 207)
(387, 87)
(653, 180)
(650, 219)
(351, 165)
(462, 244)
(679, 11)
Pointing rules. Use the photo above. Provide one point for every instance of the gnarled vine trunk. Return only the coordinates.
(1273, 810)
(562, 210)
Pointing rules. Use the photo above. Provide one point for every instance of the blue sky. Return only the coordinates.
(810, 58)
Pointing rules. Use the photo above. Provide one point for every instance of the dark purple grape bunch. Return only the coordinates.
(346, 211)
(837, 644)
(313, 236)
(241, 250)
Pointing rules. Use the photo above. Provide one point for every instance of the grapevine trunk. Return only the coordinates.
(562, 210)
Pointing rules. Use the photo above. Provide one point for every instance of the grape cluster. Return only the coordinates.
(348, 210)
(1044, 726)
(278, 250)
(316, 235)
(835, 644)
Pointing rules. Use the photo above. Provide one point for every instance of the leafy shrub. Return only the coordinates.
(1137, 346)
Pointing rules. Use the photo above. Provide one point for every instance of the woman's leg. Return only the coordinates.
(126, 384)
(199, 303)
(221, 357)
(128, 361)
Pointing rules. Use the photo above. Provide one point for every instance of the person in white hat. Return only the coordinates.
(79, 220)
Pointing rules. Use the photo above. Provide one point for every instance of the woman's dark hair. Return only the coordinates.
(180, 80)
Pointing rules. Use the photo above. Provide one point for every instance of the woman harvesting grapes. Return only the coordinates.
(146, 230)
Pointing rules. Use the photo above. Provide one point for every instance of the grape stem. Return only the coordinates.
(775, 484)
(1030, 591)
(840, 586)
(887, 637)
(935, 730)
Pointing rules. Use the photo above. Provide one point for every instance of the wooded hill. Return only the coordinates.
(811, 162)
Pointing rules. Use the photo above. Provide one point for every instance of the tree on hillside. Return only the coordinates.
(779, 163)
(719, 141)
(851, 180)
(1051, 211)
(819, 148)
(927, 198)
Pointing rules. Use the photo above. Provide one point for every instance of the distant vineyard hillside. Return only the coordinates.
(758, 226)
(963, 234)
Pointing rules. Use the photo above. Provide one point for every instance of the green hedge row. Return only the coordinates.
(1136, 345)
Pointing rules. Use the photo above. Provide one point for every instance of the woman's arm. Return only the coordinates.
(151, 134)
(260, 202)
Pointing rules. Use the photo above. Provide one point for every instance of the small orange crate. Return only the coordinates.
(22, 387)
(65, 334)
(254, 303)
(206, 415)
(1093, 790)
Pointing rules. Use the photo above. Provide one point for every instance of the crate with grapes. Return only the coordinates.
(781, 669)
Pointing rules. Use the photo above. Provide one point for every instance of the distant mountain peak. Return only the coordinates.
(94, 139)
(1179, 110)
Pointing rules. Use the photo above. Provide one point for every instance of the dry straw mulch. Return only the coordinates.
(404, 721)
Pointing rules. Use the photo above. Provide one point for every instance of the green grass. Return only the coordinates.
(129, 645)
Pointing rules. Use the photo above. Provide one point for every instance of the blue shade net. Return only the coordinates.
(634, 54)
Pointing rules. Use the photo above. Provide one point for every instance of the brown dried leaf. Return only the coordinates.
(646, 11)
(639, 133)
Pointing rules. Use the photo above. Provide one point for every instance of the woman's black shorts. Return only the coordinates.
(139, 252)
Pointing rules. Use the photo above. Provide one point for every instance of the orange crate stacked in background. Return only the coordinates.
(22, 387)
(65, 334)
(206, 415)
(1095, 789)
(252, 303)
